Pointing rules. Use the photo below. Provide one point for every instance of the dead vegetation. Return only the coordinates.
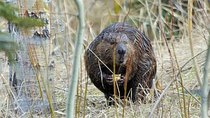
(167, 25)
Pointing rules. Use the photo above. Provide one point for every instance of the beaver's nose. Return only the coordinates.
(121, 49)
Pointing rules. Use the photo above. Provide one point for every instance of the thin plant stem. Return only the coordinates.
(190, 6)
(70, 111)
(204, 88)
(181, 79)
(115, 81)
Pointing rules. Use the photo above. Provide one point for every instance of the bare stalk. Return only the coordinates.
(190, 6)
(177, 64)
(85, 97)
(150, 20)
(115, 81)
(76, 61)
(204, 87)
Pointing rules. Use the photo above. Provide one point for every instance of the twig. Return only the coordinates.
(204, 87)
(177, 64)
(76, 61)
(190, 6)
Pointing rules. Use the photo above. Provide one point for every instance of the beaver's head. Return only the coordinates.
(114, 52)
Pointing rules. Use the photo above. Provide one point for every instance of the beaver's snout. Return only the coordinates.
(121, 49)
(121, 53)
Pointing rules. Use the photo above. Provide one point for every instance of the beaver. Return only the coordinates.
(124, 56)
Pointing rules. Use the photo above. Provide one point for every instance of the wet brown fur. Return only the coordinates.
(138, 61)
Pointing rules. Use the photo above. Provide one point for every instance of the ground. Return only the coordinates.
(174, 62)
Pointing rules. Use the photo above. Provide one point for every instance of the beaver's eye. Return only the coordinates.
(106, 50)
(112, 43)
(125, 42)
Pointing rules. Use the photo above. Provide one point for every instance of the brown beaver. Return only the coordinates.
(125, 51)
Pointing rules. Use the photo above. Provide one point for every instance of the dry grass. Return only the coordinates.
(171, 56)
